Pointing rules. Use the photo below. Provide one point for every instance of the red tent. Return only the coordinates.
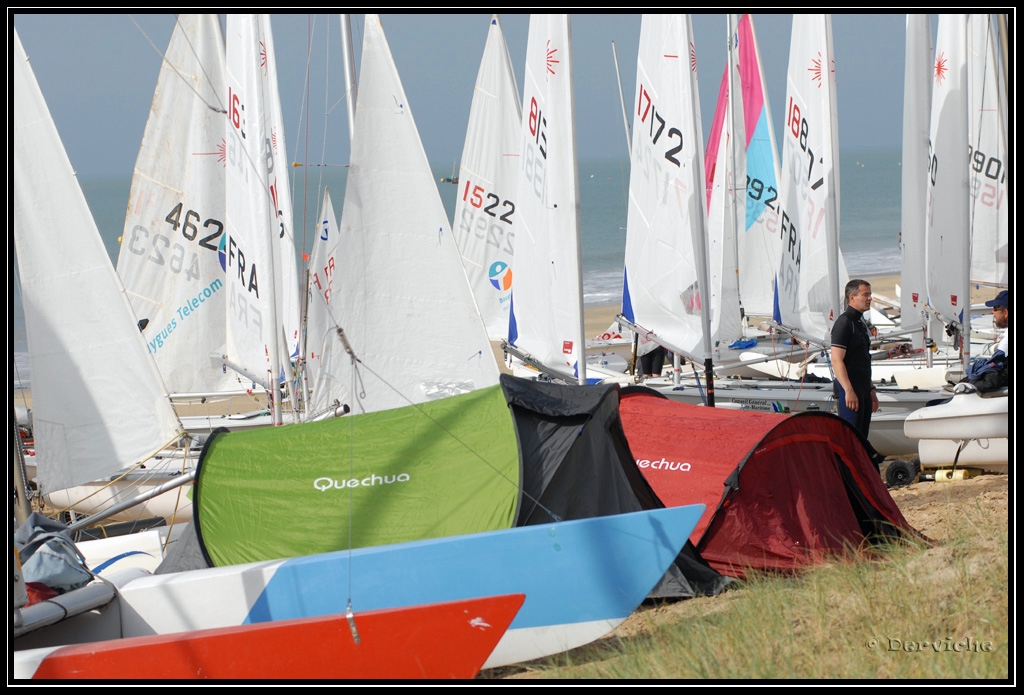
(782, 491)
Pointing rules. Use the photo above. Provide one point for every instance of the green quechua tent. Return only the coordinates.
(442, 468)
(520, 453)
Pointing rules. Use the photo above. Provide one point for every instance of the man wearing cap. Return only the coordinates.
(1001, 318)
(989, 373)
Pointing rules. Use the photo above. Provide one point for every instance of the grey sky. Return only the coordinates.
(98, 72)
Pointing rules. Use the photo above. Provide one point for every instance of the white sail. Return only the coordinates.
(322, 262)
(666, 261)
(248, 248)
(917, 102)
(399, 290)
(99, 404)
(485, 208)
(811, 273)
(546, 318)
(987, 151)
(168, 260)
(287, 275)
(948, 214)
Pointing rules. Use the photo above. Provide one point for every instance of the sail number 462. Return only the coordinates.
(189, 229)
(159, 249)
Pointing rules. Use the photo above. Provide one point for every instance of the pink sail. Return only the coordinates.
(755, 168)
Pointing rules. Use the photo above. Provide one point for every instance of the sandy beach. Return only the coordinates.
(598, 317)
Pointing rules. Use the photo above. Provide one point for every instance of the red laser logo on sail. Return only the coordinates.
(221, 154)
(815, 69)
(551, 62)
(941, 68)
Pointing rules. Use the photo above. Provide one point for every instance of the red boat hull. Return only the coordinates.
(443, 640)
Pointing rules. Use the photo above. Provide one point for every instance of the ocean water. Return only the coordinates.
(870, 185)
(869, 222)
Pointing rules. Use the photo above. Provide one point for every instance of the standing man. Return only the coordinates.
(851, 362)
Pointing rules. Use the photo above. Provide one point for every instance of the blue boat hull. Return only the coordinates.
(581, 579)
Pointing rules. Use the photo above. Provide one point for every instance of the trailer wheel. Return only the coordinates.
(900, 473)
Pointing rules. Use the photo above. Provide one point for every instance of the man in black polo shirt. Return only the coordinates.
(851, 362)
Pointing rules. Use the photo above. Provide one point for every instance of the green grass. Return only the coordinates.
(907, 614)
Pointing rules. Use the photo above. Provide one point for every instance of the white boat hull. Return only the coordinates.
(764, 361)
(203, 425)
(780, 396)
(982, 423)
(142, 550)
(907, 373)
(988, 454)
(964, 416)
(886, 434)
(175, 505)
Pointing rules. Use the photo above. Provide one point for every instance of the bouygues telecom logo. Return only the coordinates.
(500, 276)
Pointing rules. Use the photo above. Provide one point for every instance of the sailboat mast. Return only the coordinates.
(622, 100)
(730, 293)
(735, 96)
(1004, 42)
(277, 334)
(22, 508)
(699, 223)
(832, 201)
(581, 350)
(348, 56)
(917, 99)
